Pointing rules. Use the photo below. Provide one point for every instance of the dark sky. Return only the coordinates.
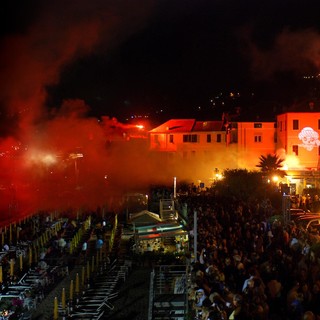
(163, 57)
(64, 61)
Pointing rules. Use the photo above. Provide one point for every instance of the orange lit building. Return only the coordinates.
(218, 145)
(254, 139)
(192, 149)
(298, 142)
(188, 136)
(238, 145)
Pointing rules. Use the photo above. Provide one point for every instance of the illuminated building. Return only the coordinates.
(298, 140)
(294, 137)
(222, 145)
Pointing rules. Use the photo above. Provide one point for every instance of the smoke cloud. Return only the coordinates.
(58, 159)
(291, 51)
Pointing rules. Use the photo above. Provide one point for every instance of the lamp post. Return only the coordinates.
(75, 157)
(195, 235)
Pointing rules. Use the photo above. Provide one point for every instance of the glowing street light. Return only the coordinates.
(217, 175)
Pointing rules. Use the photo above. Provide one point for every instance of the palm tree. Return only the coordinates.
(271, 164)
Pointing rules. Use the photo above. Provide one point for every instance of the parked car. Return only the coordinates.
(313, 223)
(303, 220)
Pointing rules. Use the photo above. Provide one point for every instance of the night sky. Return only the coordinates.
(164, 58)
(66, 63)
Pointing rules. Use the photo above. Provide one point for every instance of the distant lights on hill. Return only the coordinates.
(234, 95)
(317, 76)
(139, 116)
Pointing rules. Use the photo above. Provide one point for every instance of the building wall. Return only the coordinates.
(298, 137)
(198, 142)
(241, 148)
(255, 139)
(294, 137)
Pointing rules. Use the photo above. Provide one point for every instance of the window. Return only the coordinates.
(171, 138)
(318, 151)
(257, 138)
(295, 149)
(219, 137)
(295, 124)
(208, 138)
(190, 138)
(280, 126)
(257, 125)
(318, 124)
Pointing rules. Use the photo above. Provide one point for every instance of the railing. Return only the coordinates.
(151, 292)
(169, 292)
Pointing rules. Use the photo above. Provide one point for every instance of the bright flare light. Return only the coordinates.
(291, 162)
(219, 176)
(42, 157)
(49, 159)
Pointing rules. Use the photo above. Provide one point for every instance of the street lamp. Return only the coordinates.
(75, 156)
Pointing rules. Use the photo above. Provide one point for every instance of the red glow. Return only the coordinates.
(75, 162)
(59, 159)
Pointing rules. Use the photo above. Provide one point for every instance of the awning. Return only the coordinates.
(144, 217)
(161, 227)
(159, 230)
(162, 235)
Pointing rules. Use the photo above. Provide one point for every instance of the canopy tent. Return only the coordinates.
(148, 225)
(143, 218)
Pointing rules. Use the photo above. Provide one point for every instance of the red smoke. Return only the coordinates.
(61, 159)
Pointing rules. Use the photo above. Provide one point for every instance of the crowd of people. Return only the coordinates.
(248, 266)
